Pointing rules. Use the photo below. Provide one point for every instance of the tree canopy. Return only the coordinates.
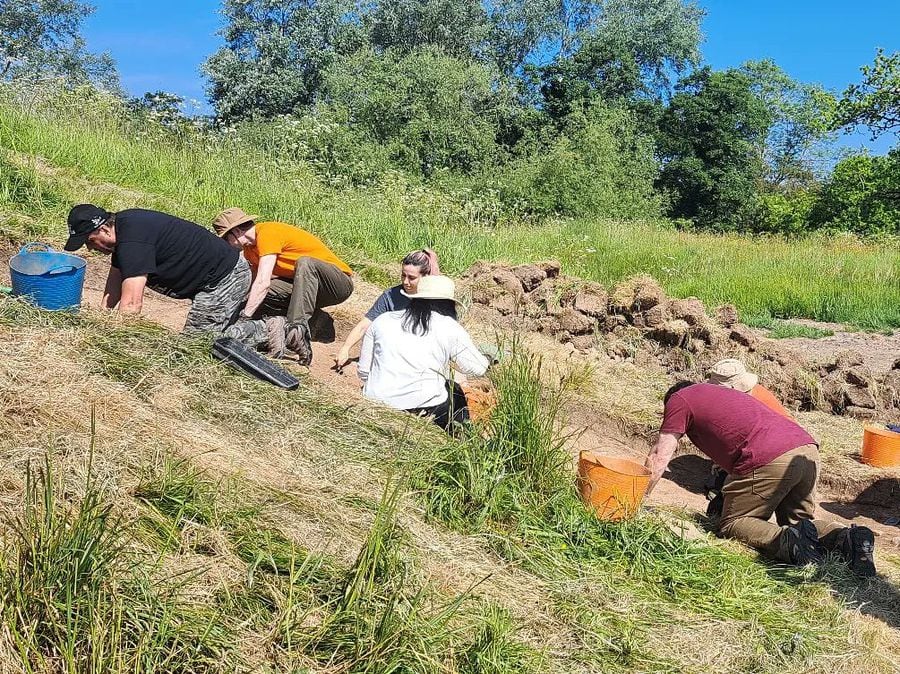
(41, 39)
(709, 142)
(874, 102)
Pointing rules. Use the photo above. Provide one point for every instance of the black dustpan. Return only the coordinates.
(241, 357)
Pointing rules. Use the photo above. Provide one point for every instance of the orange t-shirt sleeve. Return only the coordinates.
(269, 240)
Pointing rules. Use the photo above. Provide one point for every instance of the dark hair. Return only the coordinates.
(425, 259)
(675, 389)
(417, 317)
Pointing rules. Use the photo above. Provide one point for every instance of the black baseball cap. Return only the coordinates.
(84, 219)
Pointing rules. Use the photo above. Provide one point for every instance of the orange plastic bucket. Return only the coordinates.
(613, 487)
(881, 447)
(480, 400)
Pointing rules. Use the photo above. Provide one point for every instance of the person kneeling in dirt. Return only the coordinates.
(294, 275)
(772, 466)
(175, 257)
(406, 355)
(414, 266)
(732, 373)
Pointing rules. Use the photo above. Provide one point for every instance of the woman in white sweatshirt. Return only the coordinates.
(406, 355)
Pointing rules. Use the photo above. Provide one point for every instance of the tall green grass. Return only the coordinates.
(831, 279)
(512, 482)
(77, 597)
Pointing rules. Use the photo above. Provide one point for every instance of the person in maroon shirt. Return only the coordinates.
(773, 465)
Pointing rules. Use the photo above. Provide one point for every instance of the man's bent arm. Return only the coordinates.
(660, 456)
(132, 294)
(261, 283)
(112, 293)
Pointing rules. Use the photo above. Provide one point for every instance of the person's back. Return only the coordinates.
(289, 243)
(734, 429)
(179, 257)
(409, 370)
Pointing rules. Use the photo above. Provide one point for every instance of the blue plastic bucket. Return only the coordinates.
(47, 278)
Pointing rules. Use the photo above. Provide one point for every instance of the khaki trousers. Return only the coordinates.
(316, 284)
(785, 487)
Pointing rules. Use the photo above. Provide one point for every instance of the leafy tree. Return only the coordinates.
(624, 52)
(862, 195)
(800, 142)
(519, 30)
(709, 139)
(456, 27)
(874, 103)
(598, 70)
(600, 165)
(276, 53)
(432, 111)
(662, 36)
(42, 39)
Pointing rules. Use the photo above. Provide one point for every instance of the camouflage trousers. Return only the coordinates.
(214, 309)
(254, 333)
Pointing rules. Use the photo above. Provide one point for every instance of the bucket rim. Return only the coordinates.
(75, 261)
(883, 432)
(615, 463)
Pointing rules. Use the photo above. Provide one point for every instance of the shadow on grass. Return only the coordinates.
(876, 597)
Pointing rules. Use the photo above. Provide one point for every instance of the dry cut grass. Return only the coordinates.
(252, 506)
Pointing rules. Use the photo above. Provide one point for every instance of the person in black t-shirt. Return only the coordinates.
(172, 256)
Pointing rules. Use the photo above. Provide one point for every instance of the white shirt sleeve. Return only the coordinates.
(365, 353)
(466, 355)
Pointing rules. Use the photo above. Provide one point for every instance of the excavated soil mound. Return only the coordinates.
(638, 321)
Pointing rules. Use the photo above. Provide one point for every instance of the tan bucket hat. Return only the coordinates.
(732, 373)
(231, 218)
(434, 287)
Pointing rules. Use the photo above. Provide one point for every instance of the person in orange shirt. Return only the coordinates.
(294, 275)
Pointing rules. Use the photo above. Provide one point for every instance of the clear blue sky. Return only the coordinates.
(160, 44)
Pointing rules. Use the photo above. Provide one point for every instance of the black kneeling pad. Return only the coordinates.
(245, 359)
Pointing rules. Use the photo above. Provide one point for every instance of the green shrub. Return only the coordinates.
(862, 196)
(428, 110)
(599, 166)
(785, 212)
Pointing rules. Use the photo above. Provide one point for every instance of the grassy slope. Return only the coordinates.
(247, 548)
(255, 519)
(826, 279)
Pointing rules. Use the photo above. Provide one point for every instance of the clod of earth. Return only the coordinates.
(636, 321)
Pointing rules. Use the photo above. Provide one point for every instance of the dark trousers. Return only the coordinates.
(316, 284)
(454, 409)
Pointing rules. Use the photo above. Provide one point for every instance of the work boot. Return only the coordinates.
(296, 339)
(799, 544)
(275, 336)
(858, 548)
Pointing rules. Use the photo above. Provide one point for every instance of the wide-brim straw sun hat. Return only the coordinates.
(231, 218)
(732, 373)
(434, 287)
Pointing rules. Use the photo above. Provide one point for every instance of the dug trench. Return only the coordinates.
(619, 351)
